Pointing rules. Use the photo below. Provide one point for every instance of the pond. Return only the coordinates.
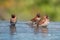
(23, 31)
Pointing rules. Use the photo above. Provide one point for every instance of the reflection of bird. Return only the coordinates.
(44, 32)
(12, 29)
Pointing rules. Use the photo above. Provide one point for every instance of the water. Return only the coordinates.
(23, 31)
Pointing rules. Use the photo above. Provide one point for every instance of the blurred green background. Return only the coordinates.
(27, 9)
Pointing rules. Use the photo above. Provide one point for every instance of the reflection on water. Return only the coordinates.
(26, 32)
(12, 29)
(12, 32)
(36, 29)
(44, 32)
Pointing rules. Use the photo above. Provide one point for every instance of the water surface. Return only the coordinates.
(23, 31)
